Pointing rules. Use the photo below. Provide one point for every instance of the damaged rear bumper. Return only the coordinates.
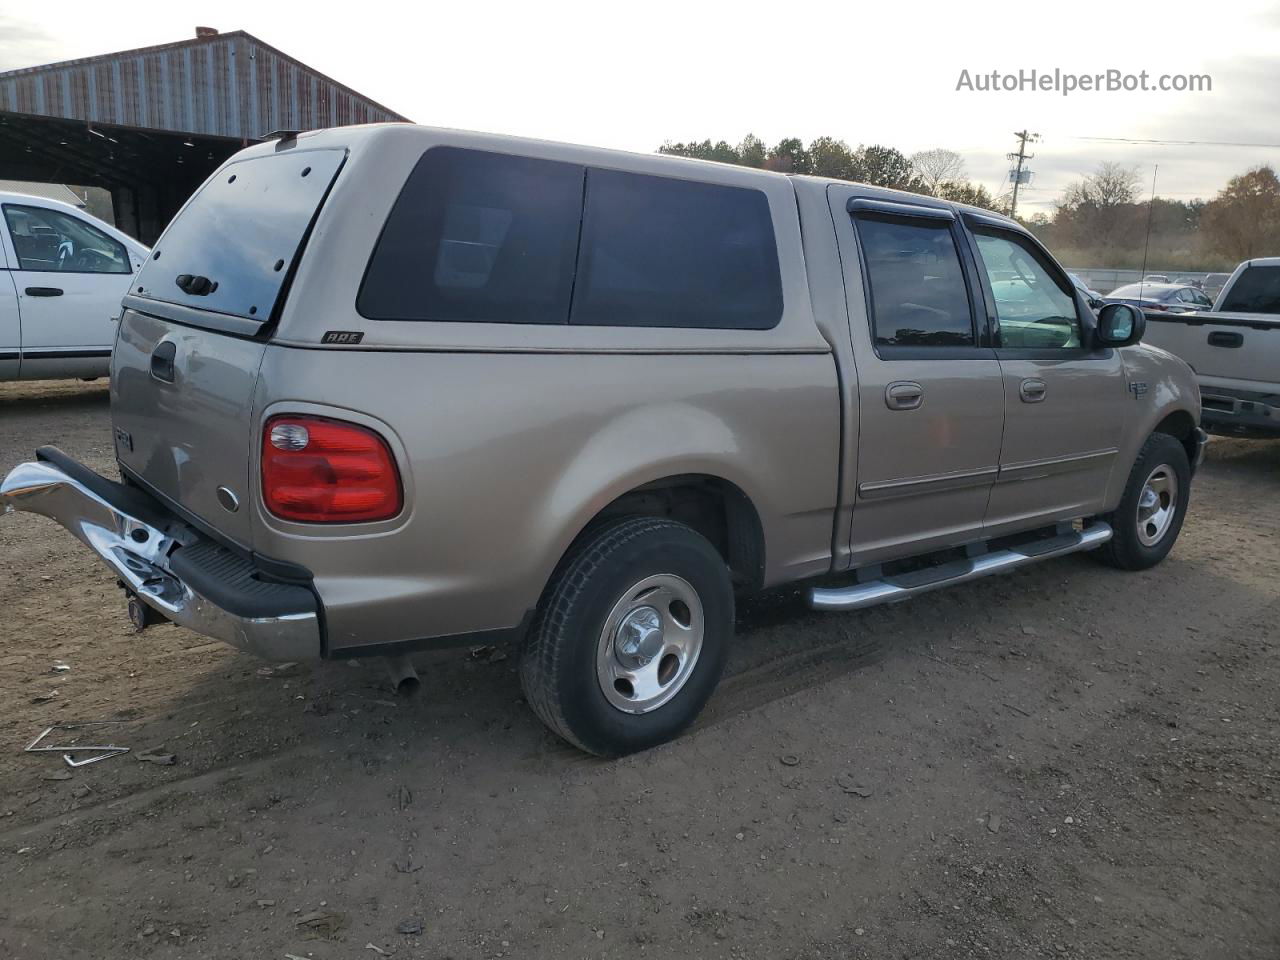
(179, 572)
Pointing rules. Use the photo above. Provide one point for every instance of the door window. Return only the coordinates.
(1035, 309)
(56, 241)
(918, 293)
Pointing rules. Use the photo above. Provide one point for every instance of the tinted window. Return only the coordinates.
(658, 252)
(52, 240)
(1035, 310)
(1257, 290)
(918, 293)
(241, 232)
(478, 236)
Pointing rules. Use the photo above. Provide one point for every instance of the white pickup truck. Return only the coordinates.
(1234, 350)
(63, 274)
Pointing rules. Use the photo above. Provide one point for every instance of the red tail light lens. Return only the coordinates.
(316, 470)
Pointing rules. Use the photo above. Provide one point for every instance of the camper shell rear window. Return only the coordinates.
(232, 247)
(1256, 290)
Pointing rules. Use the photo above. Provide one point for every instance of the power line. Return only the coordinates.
(1183, 143)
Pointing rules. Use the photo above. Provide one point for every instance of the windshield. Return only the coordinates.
(231, 247)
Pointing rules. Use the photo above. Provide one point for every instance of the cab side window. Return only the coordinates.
(918, 293)
(50, 240)
(1035, 309)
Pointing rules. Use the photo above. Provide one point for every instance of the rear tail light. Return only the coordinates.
(317, 470)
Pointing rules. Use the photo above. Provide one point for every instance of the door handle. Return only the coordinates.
(903, 395)
(43, 291)
(162, 360)
(1032, 390)
(1224, 338)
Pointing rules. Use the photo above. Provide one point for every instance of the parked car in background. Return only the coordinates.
(64, 273)
(1173, 297)
(1234, 349)
(1092, 297)
(1197, 282)
(1155, 278)
(461, 387)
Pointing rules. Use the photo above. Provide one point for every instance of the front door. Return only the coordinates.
(1064, 400)
(930, 399)
(70, 277)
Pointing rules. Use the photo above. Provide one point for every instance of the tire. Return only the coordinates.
(1141, 538)
(612, 663)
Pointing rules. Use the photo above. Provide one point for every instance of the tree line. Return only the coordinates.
(1098, 220)
(937, 173)
(1104, 219)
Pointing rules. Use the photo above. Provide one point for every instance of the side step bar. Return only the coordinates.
(901, 587)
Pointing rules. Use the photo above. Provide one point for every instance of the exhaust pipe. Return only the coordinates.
(404, 679)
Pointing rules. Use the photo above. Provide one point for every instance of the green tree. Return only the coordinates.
(788, 156)
(752, 152)
(884, 166)
(831, 158)
(965, 191)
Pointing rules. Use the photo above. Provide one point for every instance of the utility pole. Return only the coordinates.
(1021, 157)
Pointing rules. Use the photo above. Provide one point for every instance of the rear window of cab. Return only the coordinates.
(489, 237)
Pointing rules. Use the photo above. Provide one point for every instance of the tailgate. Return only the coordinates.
(186, 430)
(195, 328)
(1220, 346)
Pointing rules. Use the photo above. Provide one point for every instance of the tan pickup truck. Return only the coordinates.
(385, 388)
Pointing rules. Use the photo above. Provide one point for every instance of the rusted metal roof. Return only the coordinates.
(224, 85)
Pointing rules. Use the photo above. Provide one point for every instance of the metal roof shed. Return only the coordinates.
(151, 124)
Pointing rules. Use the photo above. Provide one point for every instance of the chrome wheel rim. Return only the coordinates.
(1157, 505)
(650, 643)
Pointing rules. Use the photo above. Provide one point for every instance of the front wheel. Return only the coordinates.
(630, 638)
(1150, 515)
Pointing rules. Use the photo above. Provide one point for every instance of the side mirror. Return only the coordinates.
(1120, 325)
(1096, 303)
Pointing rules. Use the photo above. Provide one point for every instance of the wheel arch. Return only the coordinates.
(1180, 425)
(714, 506)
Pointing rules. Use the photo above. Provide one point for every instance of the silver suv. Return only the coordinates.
(386, 388)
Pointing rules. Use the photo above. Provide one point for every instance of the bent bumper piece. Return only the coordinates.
(177, 571)
(1202, 444)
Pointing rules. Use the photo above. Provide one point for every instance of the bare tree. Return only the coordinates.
(1112, 185)
(937, 167)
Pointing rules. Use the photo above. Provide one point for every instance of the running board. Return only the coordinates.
(901, 587)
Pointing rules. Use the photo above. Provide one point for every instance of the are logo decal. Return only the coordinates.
(342, 336)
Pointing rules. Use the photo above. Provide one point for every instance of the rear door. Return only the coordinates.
(194, 332)
(930, 398)
(69, 276)
(1064, 402)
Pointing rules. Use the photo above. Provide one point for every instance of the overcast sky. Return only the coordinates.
(634, 75)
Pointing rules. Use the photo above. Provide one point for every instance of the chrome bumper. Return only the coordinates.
(140, 554)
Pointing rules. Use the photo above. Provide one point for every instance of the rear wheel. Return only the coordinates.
(630, 638)
(1150, 515)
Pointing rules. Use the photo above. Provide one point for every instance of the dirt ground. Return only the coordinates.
(1066, 762)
